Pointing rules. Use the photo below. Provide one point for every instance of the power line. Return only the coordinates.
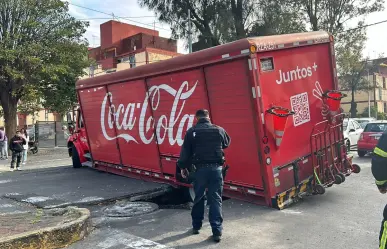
(104, 18)
(110, 14)
(362, 27)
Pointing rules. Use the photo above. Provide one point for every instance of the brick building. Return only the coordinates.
(125, 46)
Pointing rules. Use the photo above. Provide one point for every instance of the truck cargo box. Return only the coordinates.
(276, 96)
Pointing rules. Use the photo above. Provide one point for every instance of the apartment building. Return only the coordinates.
(126, 46)
(377, 96)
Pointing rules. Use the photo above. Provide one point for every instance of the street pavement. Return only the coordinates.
(347, 216)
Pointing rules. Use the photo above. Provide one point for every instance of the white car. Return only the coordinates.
(352, 131)
(364, 121)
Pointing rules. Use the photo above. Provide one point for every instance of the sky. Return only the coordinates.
(130, 9)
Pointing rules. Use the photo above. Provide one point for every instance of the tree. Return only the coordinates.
(220, 21)
(332, 15)
(30, 102)
(352, 66)
(40, 44)
(277, 17)
(380, 115)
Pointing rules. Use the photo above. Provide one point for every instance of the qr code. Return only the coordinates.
(300, 105)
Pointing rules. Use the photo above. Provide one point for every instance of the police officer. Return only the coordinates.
(203, 147)
(379, 171)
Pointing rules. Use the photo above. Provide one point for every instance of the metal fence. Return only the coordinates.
(50, 134)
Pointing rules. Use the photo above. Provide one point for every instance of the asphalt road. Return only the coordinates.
(347, 216)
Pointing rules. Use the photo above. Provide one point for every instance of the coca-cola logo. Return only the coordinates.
(124, 119)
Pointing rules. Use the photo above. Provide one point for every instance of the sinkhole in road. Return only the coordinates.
(177, 198)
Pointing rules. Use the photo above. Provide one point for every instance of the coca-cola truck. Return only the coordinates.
(276, 96)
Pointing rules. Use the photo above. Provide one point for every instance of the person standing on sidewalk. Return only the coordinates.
(16, 146)
(203, 147)
(25, 147)
(3, 144)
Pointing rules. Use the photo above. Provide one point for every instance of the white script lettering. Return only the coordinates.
(123, 117)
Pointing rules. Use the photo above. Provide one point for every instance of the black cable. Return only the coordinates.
(361, 27)
(104, 18)
(111, 14)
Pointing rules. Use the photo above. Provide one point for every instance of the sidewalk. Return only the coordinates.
(45, 158)
(22, 225)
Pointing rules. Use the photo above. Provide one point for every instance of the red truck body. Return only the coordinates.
(134, 121)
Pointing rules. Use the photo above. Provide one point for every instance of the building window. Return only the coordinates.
(46, 115)
(385, 107)
(380, 93)
(384, 82)
(124, 59)
(132, 61)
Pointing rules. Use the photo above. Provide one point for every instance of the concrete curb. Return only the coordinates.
(51, 237)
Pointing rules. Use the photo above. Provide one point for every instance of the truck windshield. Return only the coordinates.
(375, 127)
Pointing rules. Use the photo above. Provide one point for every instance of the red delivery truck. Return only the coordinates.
(276, 96)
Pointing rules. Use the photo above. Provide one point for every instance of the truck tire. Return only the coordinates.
(361, 153)
(75, 157)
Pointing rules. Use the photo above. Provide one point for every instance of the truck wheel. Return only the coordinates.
(75, 157)
(342, 176)
(356, 168)
(338, 179)
(361, 153)
(319, 189)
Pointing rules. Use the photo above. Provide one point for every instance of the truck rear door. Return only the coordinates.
(294, 78)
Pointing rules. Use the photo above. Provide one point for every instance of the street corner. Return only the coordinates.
(38, 201)
(54, 228)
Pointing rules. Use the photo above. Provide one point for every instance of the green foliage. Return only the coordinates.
(41, 48)
(220, 21)
(30, 102)
(380, 115)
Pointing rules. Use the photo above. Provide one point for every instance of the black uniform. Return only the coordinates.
(16, 146)
(379, 171)
(203, 147)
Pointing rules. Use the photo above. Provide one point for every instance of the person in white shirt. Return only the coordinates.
(25, 146)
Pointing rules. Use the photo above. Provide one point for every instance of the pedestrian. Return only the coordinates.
(203, 148)
(25, 147)
(16, 146)
(3, 145)
(379, 171)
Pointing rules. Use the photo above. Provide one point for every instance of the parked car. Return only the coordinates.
(370, 136)
(364, 121)
(352, 131)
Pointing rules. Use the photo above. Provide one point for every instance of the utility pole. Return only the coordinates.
(369, 94)
(189, 32)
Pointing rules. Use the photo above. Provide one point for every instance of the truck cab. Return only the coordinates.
(77, 145)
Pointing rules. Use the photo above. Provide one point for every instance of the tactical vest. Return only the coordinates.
(381, 147)
(379, 161)
(207, 144)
